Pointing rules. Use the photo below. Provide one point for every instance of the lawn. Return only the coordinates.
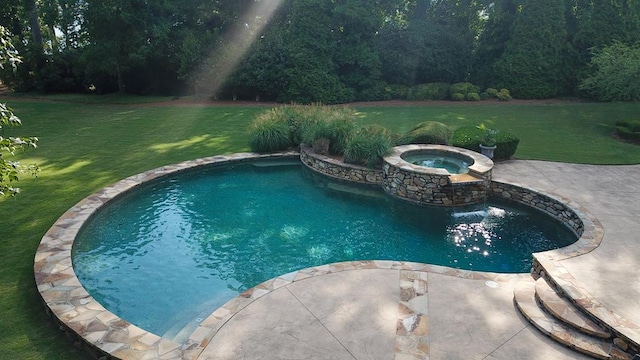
(86, 146)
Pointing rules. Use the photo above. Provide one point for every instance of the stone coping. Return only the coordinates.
(548, 264)
(102, 333)
(480, 164)
(85, 320)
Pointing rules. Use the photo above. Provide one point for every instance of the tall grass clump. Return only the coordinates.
(269, 133)
(330, 129)
(428, 132)
(368, 146)
(325, 128)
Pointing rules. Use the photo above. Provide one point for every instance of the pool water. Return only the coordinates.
(169, 253)
(452, 165)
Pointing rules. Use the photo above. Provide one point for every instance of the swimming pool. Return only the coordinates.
(172, 251)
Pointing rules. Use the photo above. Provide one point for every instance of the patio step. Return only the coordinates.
(525, 299)
(562, 309)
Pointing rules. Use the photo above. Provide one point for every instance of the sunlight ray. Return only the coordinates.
(224, 58)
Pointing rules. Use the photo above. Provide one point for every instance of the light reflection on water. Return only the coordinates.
(175, 250)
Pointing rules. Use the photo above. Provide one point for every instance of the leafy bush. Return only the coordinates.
(368, 145)
(428, 132)
(464, 88)
(399, 92)
(507, 144)
(492, 92)
(429, 91)
(470, 137)
(474, 96)
(457, 97)
(485, 96)
(503, 95)
(378, 91)
(614, 75)
(269, 135)
(628, 129)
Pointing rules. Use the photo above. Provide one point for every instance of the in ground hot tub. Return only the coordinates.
(436, 175)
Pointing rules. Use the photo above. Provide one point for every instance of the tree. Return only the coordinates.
(311, 38)
(10, 170)
(531, 65)
(432, 41)
(616, 73)
(493, 38)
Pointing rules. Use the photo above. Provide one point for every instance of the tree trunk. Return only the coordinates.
(121, 86)
(34, 24)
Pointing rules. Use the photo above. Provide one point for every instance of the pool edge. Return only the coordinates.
(101, 332)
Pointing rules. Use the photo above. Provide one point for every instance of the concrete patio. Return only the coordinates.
(358, 314)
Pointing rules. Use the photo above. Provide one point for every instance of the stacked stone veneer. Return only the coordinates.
(432, 189)
(534, 199)
(337, 169)
(424, 185)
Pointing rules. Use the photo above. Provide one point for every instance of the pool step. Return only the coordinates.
(562, 309)
(564, 328)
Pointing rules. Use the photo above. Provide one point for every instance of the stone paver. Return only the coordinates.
(462, 317)
(610, 273)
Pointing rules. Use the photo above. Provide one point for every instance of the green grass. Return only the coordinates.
(571, 132)
(84, 147)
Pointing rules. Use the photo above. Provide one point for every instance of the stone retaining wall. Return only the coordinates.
(541, 202)
(431, 189)
(337, 169)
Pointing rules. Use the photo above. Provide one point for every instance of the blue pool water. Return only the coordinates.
(171, 252)
(452, 165)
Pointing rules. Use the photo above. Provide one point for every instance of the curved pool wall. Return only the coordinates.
(436, 186)
(101, 333)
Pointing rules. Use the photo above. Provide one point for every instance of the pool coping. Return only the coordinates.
(101, 332)
(481, 164)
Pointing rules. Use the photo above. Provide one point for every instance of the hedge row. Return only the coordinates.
(443, 91)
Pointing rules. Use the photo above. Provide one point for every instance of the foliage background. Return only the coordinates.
(312, 50)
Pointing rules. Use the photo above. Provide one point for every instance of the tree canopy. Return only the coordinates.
(10, 170)
(311, 50)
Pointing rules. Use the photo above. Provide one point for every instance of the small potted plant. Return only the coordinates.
(488, 141)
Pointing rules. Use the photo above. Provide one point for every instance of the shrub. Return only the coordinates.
(507, 144)
(368, 145)
(376, 92)
(492, 92)
(485, 96)
(269, 135)
(613, 74)
(399, 92)
(503, 95)
(470, 137)
(628, 129)
(428, 132)
(429, 91)
(474, 96)
(464, 88)
(457, 97)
